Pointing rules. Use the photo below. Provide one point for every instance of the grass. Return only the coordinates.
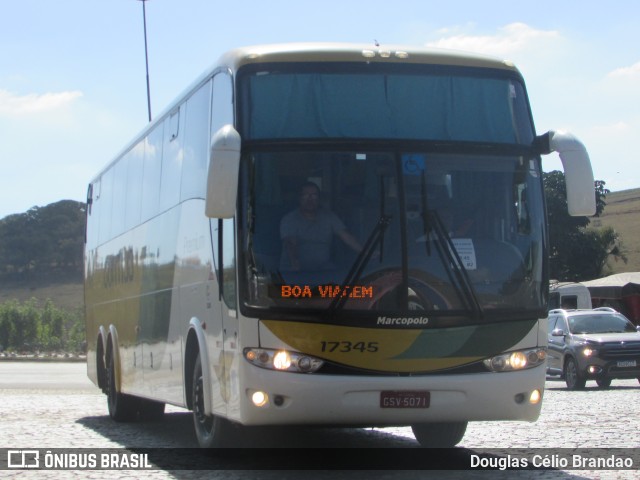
(66, 295)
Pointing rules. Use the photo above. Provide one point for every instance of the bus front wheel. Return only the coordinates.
(212, 431)
(439, 435)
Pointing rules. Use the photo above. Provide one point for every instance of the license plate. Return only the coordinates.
(404, 399)
(626, 363)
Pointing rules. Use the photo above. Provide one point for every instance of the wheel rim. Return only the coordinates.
(203, 422)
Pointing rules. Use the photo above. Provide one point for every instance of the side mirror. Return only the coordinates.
(557, 332)
(222, 178)
(578, 174)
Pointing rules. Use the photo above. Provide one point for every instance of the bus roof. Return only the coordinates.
(344, 52)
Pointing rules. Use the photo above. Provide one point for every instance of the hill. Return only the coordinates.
(622, 213)
(41, 254)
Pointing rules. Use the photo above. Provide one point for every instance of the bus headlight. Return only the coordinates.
(518, 360)
(282, 360)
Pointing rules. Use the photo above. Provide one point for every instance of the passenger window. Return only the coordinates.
(105, 198)
(196, 144)
(151, 172)
(134, 184)
(172, 156)
(119, 201)
(93, 214)
(222, 102)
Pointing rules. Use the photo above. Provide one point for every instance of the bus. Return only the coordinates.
(409, 183)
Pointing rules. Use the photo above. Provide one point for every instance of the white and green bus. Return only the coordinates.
(431, 315)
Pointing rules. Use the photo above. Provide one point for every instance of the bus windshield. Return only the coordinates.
(419, 102)
(446, 233)
(389, 189)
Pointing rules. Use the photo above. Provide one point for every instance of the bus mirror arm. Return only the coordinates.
(222, 177)
(578, 174)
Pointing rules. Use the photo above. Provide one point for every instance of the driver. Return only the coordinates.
(307, 232)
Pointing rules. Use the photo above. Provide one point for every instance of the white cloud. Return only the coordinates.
(626, 72)
(12, 104)
(510, 39)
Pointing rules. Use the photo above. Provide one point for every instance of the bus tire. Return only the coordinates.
(212, 431)
(122, 407)
(150, 410)
(439, 435)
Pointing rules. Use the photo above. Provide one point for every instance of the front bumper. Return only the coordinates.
(310, 399)
(595, 367)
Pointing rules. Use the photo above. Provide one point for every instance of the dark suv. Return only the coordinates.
(599, 345)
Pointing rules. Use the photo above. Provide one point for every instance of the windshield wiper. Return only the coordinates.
(448, 254)
(376, 238)
(457, 272)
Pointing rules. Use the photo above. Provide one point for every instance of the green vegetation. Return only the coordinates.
(30, 328)
(39, 249)
(578, 250)
(44, 241)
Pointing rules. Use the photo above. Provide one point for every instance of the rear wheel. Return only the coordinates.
(572, 376)
(439, 435)
(212, 431)
(122, 407)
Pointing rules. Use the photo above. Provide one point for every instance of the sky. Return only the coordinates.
(73, 78)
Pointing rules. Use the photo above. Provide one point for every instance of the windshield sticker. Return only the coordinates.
(466, 252)
(413, 163)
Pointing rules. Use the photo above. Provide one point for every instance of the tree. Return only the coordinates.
(43, 240)
(577, 251)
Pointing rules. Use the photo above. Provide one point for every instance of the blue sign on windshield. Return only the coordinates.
(413, 163)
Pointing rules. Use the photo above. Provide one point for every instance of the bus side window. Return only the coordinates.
(172, 155)
(105, 199)
(196, 144)
(569, 302)
(222, 102)
(151, 172)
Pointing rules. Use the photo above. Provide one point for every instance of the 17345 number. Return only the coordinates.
(346, 346)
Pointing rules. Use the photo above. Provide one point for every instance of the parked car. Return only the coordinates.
(599, 344)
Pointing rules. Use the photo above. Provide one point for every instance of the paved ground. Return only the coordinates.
(55, 406)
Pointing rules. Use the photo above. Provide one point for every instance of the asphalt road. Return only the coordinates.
(54, 405)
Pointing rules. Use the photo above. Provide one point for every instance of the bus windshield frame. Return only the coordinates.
(409, 212)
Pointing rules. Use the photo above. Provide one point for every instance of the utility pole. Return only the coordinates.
(146, 55)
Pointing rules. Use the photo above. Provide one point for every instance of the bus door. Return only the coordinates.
(226, 358)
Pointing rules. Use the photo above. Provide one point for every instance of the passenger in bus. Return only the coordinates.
(307, 233)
